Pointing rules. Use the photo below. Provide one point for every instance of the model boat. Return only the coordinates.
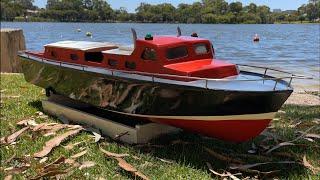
(174, 80)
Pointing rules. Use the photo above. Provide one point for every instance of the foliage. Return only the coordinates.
(204, 11)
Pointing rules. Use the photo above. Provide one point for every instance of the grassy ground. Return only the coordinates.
(185, 151)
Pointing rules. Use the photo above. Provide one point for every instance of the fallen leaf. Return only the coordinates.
(255, 156)
(280, 145)
(295, 125)
(79, 154)
(315, 170)
(110, 154)
(228, 174)
(146, 164)
(7, 97)
(39, 126)
(128, 167)
(32, 122)
(72, 127)
(55, 128)
(43, 160)
(317, 136)
(309, 139)
(290, 143)
(72, 162)
(55, 142)
(270, 135)
(284, 154)
(39, 113)
(178, 141)
(60, 160)
(3, 90)
(136, 157)
(232, 176)
(222, 157)
(214, 172)
(97, 136)
(87, 164)
(43, 117)
(71, 146)
(24, 121)
(10, 159)
(17, 170)
(68, 173)
(95, 132)
(253, 149)
(165, 160)
(249, 166)
(9, 177)
(12, 138)
(316, 121)
(49, 134)
(49, 174)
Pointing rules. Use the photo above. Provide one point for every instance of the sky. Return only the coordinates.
(131, 5)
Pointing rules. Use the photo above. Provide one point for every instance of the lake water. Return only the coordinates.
(293, 48)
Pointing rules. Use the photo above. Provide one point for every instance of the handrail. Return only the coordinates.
(155, 75)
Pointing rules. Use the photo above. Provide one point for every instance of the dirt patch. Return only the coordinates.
(303, 99)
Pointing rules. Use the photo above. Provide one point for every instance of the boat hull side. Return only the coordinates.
(143, 97)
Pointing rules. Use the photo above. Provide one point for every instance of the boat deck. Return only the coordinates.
(246, 81)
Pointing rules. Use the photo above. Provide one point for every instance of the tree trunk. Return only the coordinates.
(12, 41)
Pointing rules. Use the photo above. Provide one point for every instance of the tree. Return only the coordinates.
(235, 7)
(103, 9)
(252, 8)
(312, 11)
(264, 12)
(121, 14)
(26, 4)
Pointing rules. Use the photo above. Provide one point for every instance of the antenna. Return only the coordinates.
(134, 36)
(179, 31)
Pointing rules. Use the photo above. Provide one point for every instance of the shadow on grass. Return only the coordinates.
(36, 104)
(189, 149)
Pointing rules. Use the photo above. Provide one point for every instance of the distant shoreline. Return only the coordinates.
(138, 22)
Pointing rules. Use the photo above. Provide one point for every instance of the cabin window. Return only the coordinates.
(112, 62)
(53, 54)
(201, 48)
(177, 52)
(149, 54)
(93, 57)
(74, 57)
(130, 65)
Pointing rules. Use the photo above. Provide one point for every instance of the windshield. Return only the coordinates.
(177, 52)
(201, 48)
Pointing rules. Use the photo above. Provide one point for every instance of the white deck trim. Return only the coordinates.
(245, 117)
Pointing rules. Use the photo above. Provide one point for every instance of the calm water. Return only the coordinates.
(294, 48)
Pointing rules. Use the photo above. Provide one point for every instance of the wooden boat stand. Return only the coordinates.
(125, 131)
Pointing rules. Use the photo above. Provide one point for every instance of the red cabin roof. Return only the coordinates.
(171, 40)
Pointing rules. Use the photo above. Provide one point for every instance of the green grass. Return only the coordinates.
(189, 158)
